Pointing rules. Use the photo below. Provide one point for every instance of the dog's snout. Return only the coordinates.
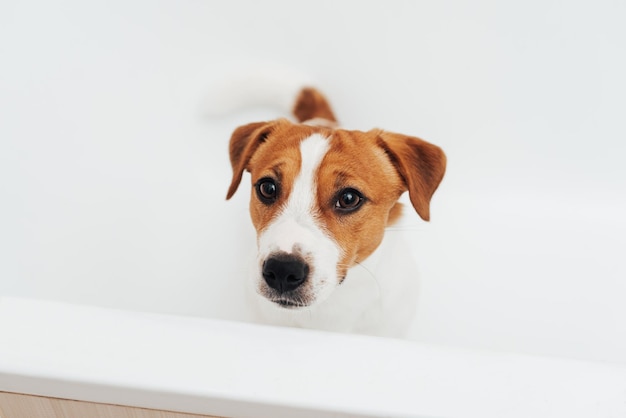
(285, 272)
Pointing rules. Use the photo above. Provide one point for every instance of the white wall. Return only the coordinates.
(112, 184)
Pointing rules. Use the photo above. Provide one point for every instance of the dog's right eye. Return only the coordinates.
(267, 190)
(348, 200)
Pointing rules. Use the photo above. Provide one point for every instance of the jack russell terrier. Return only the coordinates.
(321, 198)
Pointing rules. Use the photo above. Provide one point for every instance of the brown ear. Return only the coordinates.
(243, 142)
(420, 164)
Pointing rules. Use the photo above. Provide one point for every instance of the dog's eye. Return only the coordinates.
(349, 200)
(267, 190)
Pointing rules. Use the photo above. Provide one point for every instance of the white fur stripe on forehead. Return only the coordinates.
(296, 224)
(312, 151)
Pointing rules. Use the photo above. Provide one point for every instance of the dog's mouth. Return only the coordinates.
(288, 303)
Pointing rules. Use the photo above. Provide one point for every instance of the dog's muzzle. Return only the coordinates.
(285, 272)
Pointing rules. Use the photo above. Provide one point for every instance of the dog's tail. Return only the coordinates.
(279, 88)
(312, 107)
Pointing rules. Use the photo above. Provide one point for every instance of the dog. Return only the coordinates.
(321, 199)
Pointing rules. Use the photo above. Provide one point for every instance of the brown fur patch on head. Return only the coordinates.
(355, 161)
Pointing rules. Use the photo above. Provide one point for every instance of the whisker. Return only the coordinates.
(307, 307)
(369, 273)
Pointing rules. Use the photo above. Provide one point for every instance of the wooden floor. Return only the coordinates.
(13, 405)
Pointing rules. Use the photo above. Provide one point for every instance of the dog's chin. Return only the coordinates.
(286, 303)
(292, 302)
(299, 299)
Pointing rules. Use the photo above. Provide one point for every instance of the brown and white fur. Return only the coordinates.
(321, 198)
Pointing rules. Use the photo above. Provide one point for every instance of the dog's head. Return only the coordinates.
(322, 197)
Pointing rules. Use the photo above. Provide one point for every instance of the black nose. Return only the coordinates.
(285, 272)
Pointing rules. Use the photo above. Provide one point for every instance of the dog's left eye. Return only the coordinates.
(267, 190)
(349, 200)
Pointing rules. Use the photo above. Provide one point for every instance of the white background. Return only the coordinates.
(112, 182)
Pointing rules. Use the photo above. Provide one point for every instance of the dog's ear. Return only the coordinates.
(420, 164)
(243, 143)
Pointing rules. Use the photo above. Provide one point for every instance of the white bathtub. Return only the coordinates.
(233, 369)
(121, 265)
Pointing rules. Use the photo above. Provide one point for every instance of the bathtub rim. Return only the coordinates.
(481, 383)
